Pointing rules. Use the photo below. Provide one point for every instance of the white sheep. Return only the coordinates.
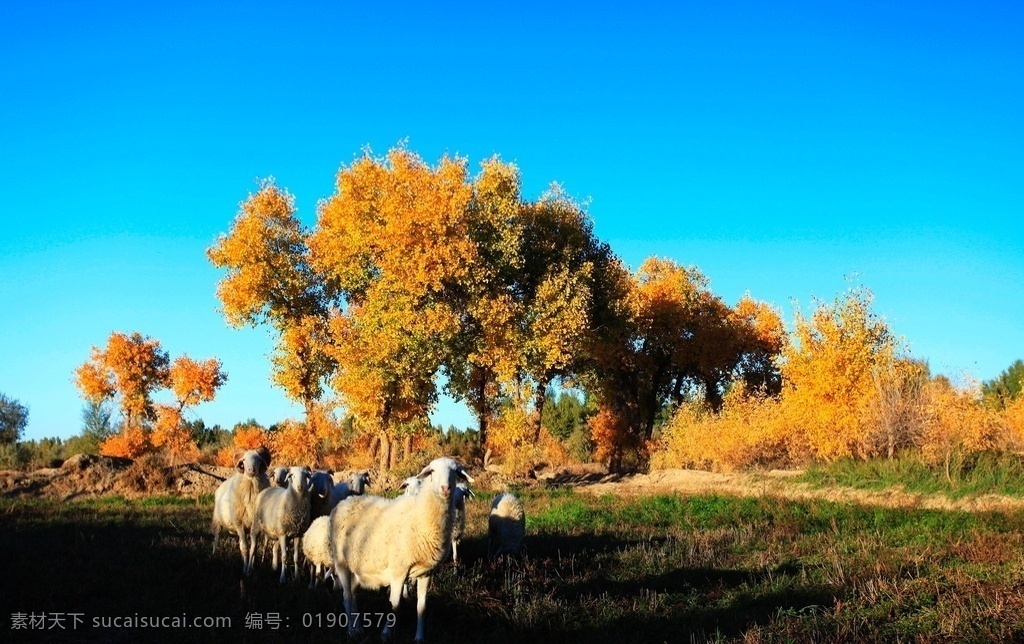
(321, 497)
(461, 493)
(379, 542)
(234, 502)
(316, 547)
(506, 525)
(411, 486)
(355, 485)
(283, 514)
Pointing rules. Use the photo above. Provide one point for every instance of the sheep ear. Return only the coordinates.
(465, 475)
(240, 466)
(404, 485)
(427, 471)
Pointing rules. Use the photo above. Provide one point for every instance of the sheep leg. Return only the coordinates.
(216, 536)
(396, 591)
(243, 546)
(283, 543)
(344, 576)
(421, 607)
(455, 552)
(297, 575)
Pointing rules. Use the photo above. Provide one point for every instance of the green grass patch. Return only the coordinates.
(608, 569)
(971, 475)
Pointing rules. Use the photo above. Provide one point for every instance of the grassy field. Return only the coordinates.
(662, 568)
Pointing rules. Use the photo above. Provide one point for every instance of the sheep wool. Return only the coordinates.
(234, 502)
(379, 542)
(506, 525)
(283, 514)
(316, 547)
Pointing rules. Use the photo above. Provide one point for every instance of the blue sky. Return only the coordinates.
(780, 147)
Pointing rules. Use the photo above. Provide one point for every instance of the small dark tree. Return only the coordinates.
(1006, 386)
(97, 421)
(13, 419)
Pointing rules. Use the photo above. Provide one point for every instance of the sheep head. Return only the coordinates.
(359, 481)
(254, 462)
(300, 479)
(441, 475)
(322, 483)
(411, 485)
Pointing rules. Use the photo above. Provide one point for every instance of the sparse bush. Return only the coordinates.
(580, 445)
(14, 456)
(957, 425)
(749, 431)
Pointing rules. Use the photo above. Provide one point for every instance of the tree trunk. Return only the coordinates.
(481, 409)
(407, 448)
(538, 405)
(374, 447)
(385, 452)
(712, 396)
(393, 450)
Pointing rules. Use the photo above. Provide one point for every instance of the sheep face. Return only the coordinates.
(322, 483)
(299, 479)
(462, 491)
(411, 486)
(280, 474)
(441, 475)
(359, 481)
(254, 462)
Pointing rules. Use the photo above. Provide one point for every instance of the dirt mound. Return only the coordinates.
(89, 475)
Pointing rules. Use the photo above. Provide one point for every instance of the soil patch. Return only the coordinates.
(89, 475)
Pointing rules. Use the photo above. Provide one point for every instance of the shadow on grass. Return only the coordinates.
(129, 561)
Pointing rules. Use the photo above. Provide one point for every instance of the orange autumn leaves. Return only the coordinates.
(129, 371)
(848, 391)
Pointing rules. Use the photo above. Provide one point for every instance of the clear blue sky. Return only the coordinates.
(780, 147)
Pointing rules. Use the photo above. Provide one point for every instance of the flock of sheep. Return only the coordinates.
(359, 539)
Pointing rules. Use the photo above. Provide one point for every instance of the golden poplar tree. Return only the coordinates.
(829, 374)
(394, 241)
(128, 371)
(270, 280)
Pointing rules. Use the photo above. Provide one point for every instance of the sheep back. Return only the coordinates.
(316, 542)
(506, 524)
(234, 502)
(380, 539)
(281, 512)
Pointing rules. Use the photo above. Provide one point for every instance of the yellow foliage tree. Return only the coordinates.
(394, 241)
(828, 375)
(131, 443)
(958, 424)
(129, 369)
(270, 279)
(244, 436)
(748, 431)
